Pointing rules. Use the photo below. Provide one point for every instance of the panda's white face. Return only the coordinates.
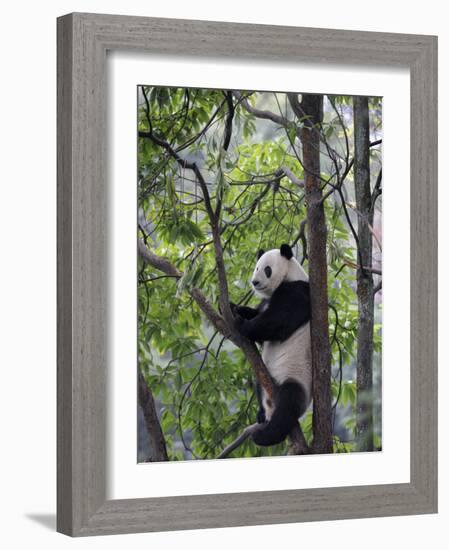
(272, 269)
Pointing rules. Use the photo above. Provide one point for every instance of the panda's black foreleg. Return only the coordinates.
(246, 312)
(290, 405)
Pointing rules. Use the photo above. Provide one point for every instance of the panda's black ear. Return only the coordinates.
(286, 251)
(260, 254)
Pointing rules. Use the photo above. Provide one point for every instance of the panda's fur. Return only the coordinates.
(281, 323)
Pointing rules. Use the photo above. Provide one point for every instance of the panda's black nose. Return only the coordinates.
(256, 283)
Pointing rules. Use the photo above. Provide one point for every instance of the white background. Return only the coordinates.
(131, 480)
(28, 305)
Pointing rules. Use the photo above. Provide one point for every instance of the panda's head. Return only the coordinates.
(273, 268)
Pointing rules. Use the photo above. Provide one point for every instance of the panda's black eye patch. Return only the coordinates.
(268, 271)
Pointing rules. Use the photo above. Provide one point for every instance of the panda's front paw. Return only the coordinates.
(240, 323)
(261, 418)
(234, 308)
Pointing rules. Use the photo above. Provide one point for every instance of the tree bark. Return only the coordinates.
(365, 293)
(156, 437)
(312, 107)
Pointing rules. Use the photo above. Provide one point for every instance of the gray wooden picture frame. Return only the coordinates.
(83, 40)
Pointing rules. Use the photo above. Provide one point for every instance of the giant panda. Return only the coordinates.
(281, 323)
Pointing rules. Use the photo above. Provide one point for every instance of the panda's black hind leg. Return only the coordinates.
(290, 405)
(261, 412)
(261, 418)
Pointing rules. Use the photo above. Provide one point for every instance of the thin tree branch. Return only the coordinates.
(226, 141)
(158, 262)
(363, 268)
(154, 431)
(345, 132)
(201, 133)
(236, 222)
(188, 388)
(302, 236)
(375, 236)
(298, 443)
(291, 176)
(377, 191)
(374, 143)
(151, 279)
(267, 115)
(249, 430)
(351, 226)
(229, 119)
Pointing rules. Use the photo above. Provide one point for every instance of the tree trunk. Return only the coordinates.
(156, 437)
(312, 107)
(365, 294)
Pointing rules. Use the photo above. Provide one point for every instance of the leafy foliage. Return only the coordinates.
(202, 384)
